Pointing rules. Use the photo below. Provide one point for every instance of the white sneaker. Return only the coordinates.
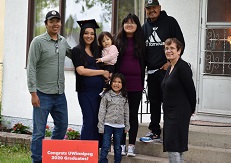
(123, 152)
(131, 151)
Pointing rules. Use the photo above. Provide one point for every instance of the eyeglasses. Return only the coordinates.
(170, 49)
(56, 47)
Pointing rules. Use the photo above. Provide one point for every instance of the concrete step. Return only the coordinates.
(206, 144)
(194, 154)
(138, 159)
(206, 136)
(153, 152)
(208, 154)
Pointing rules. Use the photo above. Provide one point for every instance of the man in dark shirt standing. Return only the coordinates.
(157, 29)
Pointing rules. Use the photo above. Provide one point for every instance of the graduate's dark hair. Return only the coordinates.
(93, 47)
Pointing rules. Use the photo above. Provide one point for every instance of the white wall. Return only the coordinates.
(187, 13)
(16, 104)
(15, 97)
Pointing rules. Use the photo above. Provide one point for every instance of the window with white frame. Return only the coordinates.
(100, 10)
(70, 11)
(73, 10)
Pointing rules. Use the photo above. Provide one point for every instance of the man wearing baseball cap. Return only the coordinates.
(45, 77)
(157, 29)
(52, 14)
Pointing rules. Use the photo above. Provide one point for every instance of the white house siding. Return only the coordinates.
(16, 105)
(187, 13)
(15, 100)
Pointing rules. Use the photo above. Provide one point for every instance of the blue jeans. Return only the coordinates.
(117, 137)
(56, 105)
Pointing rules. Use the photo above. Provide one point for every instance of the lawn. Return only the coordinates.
(14, 154)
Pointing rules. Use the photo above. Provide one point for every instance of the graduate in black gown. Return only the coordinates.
(89, 78)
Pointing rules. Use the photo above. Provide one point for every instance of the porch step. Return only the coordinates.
(195, 153)
(206, 144)
(138, 159)
(206, 136)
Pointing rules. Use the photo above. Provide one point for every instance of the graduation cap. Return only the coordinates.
(91, 23)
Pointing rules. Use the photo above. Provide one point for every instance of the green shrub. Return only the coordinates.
(20, 129)
(48, 132)
(72, 134)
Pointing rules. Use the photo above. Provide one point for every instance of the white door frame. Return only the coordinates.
(209, 99)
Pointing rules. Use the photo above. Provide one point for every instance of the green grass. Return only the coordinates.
(14, 154)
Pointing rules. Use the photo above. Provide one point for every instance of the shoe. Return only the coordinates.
(150, 137)
(131, 151)
(123, 152)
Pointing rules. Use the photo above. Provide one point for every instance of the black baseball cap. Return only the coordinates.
(149, 3)
(52, 14)
(91, 23)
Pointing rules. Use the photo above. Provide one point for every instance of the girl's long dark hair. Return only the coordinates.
(93, 47)
(123, 90)
(138, 37)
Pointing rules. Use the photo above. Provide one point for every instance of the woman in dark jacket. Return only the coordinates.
(179, 101)
(130, 43)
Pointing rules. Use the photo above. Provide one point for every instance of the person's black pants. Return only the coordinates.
(134, 99)
(155, 97)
